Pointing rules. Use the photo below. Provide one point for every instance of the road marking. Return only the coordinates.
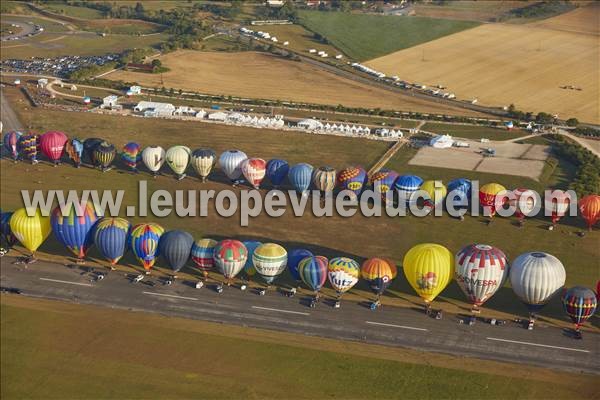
(170, 295)
(538, 344)
(396, 326)
(70, 283)
(283, 311)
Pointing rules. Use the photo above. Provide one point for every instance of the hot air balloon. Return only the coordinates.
(144, 243)
(428, 268)
(131, 155)
(11, 144)
(524, 203)
(111, 237)
(324, 179)
(270, 260)
(154, 158)
(202, 255)
(178, 158)
(300, 176)
(383, 183)
(489, 199)
(52, 145)
(175, 247)
(89, 145)
(436, 193)
(5, 231)
(313, 272)
(231, 164)
(254, 170)
(294, 258)
(74, 149)
(203, 161)
(73, 227)
(405, 186)
(28, 146)
(251, 246)
(230, 256)
(277, 171)
(480, 271)
(579, 303)
(352, 179)
(589, 208)
(558, 205)
(535, 278)
(343, 274)
(104, 154)
(459, 191)
(379, 273)
(30, 231)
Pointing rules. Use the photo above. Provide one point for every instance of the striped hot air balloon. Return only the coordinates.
(313, 272)
(111, 238)
(104, 154)
(480, 271)
(178, 159)
(30, 231)
(300, 176)
(270, 260)
(428, 268)
(294, 258)
(202, 255)
(74, 149)
(132, 155)
(11, 144)
(144, 243)
(383, 183)
(379, 273)
(154, 158)
(589, 209)
(230, 162)
(579, 303)
(353, 179)
(406, 186)
(28, 146)
(230, 256)
(254, 170)
(73, 227)
(343, 274)
(52, 145)
(558, 204)
(324, 179)
(251, 246)
(524, 202)
(203, 161)
(277, 171)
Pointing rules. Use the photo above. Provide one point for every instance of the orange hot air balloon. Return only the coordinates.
(589, 208)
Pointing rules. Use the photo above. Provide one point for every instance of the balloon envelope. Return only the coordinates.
(353, 179)
(52, 145)
(202, 254)
(524, 202)
(28, 146)
(74, 149)
(383, 182)
(178, 158)
(589, 208)
(324, 179)
(300, 176)
(5, 228)
(230, 256)
(132, 154)
(294, 258)
(343, 273)
(488, 196)
(579, 303)
(436, 192)
(254, 170)
(480, 271)
(462, 190)
(89, 145)
(277, 171)
(104, 154)
(11, 143)
(111, 237)
(144, 243)
(379, 273)
(231, 163)
(203, 161)
(406, 185)
(73, 228)
(313, 272)
(30, 231)
(153, 158)
(175, 247)
(428, 268)
(251, 246)
(270, 260)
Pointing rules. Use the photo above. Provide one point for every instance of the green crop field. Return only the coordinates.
(473, 131)
(57, 350)
(364, 36)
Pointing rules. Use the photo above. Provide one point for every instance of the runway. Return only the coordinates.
(545, 346)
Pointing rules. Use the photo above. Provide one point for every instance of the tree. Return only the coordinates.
(156, 63)
(544, 118)
(572, 122)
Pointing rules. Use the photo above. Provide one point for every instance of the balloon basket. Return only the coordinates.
(337, 304)
(147, 272)
(262, 292)
(80, 261)
(199, 285)
(219, 288)
(243, 287)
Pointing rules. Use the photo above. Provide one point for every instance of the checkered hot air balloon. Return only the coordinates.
(353, 179)
(230, 256)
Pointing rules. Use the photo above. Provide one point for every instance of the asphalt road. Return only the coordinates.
(26, 29)
(9, 119)
(404, 327)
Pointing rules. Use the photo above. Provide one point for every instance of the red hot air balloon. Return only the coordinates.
(52, 144)
(589, 208)
(558, 205)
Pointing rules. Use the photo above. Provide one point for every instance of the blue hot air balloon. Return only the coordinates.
(462, 189)
(111, 237)
(74, 149)
(406, 185)
(175, 247)
(251, 245)
(74, 227)
(300, 177)
(277, 171)
(294, 258)
(5, 230)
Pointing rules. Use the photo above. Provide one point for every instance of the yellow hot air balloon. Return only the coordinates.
(30, 231)
(428, 267)
(436, 194)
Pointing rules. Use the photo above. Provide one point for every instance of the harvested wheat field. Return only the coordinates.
(500, 64)
(259, 75)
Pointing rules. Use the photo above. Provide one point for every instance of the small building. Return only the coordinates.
(310, 124)
(135, 90)
(184, 110)
(151, 108)
(339, 57)
(110, 101)
(217, 116)
(200, 114)
(42, 82)
(441, 142)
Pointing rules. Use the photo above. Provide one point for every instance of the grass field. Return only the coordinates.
(73, 11)
(260, 75)
(359, 237)
(301, 40)
(58, 350)
(500, 64)
(121, 26)
(473, 132)
(365, 36)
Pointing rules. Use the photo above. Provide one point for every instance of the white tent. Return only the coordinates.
(327, 127)
(367, 130)
(217, 116)
(441, 142)
(310, 124)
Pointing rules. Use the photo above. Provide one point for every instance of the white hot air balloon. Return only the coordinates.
(231, 162)
(535, 278)
(480, 271)
(153, 158)
(203, 161)
(270, 260)
(178, 158)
